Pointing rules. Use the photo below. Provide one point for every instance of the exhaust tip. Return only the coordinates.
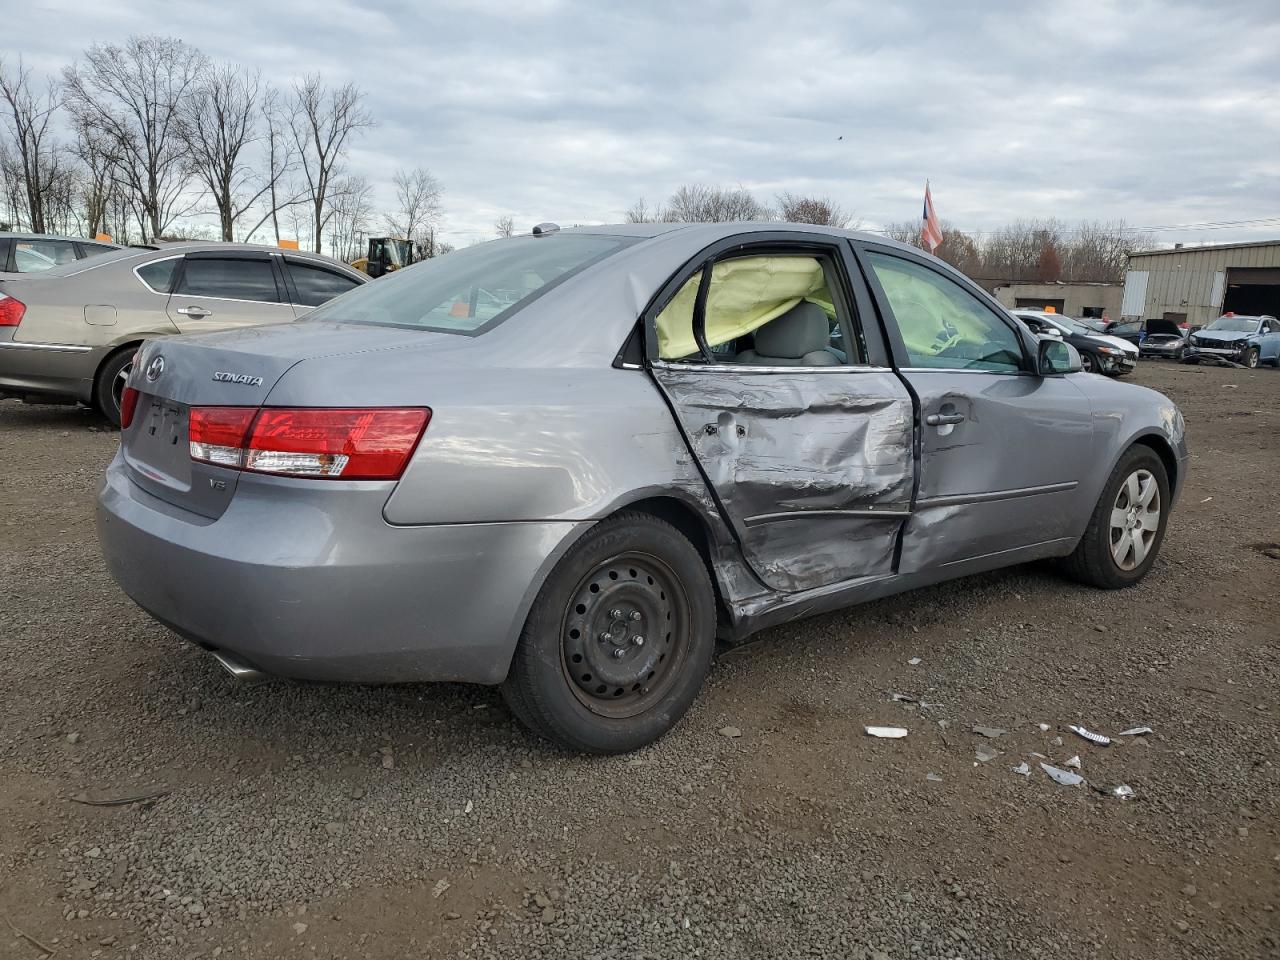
(238, 669)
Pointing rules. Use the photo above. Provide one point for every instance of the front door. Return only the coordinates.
(1002, 449)
(805, 443)
(216, 291)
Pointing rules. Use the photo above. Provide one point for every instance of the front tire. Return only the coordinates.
(1250, 358)
(108, 389)
(1088, 362)
(1127, 526)
(619, 640)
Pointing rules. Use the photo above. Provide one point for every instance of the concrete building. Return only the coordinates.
(1073, 299)
(1198, 284)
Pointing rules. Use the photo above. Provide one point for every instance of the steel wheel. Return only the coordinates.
(625, 635)
(1135, 519)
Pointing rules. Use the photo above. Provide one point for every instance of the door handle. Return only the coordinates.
(942, 419)
(195, 313)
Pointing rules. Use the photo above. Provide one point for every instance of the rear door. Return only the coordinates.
(802, 431)
(1002, 449)
(216, 291)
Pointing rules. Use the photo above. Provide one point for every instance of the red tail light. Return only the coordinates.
(11, 310)
(347, 444)
(128, 404)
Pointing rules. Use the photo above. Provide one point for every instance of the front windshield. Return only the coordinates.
(469, 291)
(1235, 324)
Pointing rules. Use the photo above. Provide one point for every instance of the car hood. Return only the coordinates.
(1222, 336)
(1163, 327)
(1114, 342)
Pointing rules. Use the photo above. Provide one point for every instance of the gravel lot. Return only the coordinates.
(421, 821)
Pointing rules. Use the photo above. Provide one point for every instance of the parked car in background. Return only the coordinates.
(1246, 340)
(1153, 338)
(564, 463)
(37, 252)
(70, 332)
(1040, 327)
(1099, 352)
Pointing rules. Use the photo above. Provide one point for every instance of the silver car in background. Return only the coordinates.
(70, 331)
(565, 463)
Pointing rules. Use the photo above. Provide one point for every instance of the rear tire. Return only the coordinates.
(109, 385)
(1104, 558)
(579, 677)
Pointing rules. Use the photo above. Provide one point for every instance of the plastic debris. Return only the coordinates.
(1044, 728)
(1089, 735)
(991, 732)
(915, 661)
(731, 732)
(984, 753)
(886, 733)
(1064, 777)
(1022, 769)
(902, 698)
(933, 778)
(1136, 732)
(1121, 791)
(1073, 762)
(1206, 499)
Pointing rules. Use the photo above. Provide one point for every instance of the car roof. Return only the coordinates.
(717, 231)
(14, 235)
(180, 247)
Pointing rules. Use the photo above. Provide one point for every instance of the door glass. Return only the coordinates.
(229, 279)
(943, 325)
(33, 256)
(317, 285)
(774, 310)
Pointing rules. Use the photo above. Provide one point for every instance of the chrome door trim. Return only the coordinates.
(1016, 493)
(52, 347)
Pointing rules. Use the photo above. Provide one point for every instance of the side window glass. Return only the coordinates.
(229, 279)
(317, 285)
(158, 275)
(942, 324)
(774, 310)
(33, 256)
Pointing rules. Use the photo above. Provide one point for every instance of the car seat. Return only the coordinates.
(798, 338)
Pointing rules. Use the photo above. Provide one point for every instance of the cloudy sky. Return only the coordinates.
(1162, 114)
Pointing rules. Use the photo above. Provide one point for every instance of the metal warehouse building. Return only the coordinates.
(1199, 284)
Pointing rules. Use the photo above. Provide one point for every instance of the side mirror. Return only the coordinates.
(1057, 357)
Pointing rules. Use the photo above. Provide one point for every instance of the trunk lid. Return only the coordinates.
(236, 368)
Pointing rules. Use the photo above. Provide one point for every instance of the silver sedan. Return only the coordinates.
(566, 463)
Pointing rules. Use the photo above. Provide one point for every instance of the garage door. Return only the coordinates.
(1252, 290)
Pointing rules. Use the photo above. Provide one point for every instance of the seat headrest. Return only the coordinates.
(801, 330)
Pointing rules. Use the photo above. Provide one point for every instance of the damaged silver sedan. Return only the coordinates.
(566, 463)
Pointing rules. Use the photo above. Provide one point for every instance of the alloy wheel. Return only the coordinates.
(1086, 363)
(625, 634)
(1135, 519)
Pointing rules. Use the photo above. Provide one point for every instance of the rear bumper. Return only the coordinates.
(318, 586)
(53, 370)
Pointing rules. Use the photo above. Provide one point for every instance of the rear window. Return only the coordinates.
(473, 290)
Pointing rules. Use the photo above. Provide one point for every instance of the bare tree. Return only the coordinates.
(904, 231)
(27, 118)
(322, 121)
(695, 203)
(819, 210)
(134, 97)
(641, 212)
(350, 214)
(220, 122)
(96, 185)
(504, 227)
(280, 161)
(418, 204)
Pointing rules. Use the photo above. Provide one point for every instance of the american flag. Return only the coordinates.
(930, 229)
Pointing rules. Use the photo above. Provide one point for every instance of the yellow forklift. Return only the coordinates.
(387, 254)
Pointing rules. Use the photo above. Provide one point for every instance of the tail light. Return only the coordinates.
(11, 310)
(346, 444)
(128, 404)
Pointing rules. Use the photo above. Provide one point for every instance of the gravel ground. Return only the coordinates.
(306, 820)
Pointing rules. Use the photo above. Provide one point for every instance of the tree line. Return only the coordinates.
(134, 139)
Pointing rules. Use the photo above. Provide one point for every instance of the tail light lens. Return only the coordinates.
(128, 405)
(11, 310)
(347, 444)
